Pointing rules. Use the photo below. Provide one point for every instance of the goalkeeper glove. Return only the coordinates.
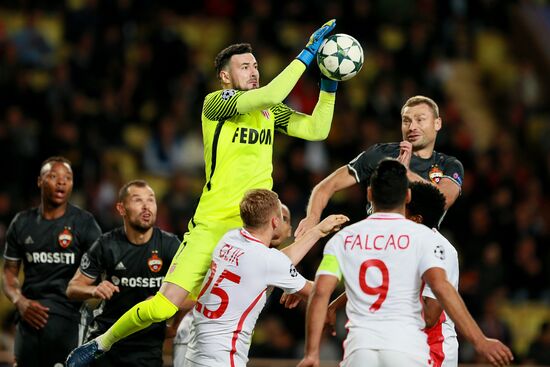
(315, 41)
(328, 85)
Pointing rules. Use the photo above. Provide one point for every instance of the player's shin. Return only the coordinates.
(156, 309)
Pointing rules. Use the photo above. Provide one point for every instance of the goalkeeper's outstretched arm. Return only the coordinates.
(279, 88)
(274, 92)
(317, 125)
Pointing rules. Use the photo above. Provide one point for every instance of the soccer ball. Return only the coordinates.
(340, 57)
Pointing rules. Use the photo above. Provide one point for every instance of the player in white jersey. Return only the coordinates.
(183, 335)
(384, 260)
(427, 206)
(243, 267)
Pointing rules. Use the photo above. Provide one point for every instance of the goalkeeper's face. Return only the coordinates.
(242, 72)
(419, 126)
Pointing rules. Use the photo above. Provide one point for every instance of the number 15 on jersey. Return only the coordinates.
(217, 291)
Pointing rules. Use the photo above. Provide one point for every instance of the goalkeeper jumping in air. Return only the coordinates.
(238, 124)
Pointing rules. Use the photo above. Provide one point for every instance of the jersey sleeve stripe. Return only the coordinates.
(218, 108)
(86, 274)
(214, 153)
(282, 115)
(354, 171)
(12, 258)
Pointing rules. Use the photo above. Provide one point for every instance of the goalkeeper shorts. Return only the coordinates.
(195, 253)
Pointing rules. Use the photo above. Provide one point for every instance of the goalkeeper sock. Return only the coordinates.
(156, 309)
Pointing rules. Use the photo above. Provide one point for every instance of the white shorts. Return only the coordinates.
(382, 358)
(450, 348)
(179, 354)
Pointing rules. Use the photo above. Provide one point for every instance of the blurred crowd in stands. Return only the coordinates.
(117, 87)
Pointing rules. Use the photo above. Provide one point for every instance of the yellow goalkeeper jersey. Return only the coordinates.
(238, 132)
(238, 150)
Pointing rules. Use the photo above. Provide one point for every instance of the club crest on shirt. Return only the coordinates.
(65, 237)
(154, 262)
(435, 174)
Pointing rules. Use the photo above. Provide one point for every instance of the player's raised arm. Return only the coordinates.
(240, 80)
(312, 127)
(301, 247)
(279, 88)
(321, 194)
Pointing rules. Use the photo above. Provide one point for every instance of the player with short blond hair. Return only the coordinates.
(244, 266)
(183, 336)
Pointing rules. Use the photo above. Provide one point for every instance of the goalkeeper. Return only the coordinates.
(238, 124)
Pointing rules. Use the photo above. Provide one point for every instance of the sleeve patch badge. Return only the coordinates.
(293, 271)
(85, 262)
(457, 177)
(439, 252)
(228, 93)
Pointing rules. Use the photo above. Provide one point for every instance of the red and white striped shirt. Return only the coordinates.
(232, 297)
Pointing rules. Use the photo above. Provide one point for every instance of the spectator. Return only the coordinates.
(539, 351)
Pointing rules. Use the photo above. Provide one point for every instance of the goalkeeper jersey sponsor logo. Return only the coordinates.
(246, 135)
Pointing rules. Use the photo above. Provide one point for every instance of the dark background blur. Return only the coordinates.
(117, 87)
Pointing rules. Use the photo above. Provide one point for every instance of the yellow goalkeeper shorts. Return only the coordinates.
(195, 253)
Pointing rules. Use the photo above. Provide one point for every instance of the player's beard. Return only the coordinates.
(142, 226)
(419, 144)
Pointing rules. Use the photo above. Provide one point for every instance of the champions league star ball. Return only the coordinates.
(340, 57)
